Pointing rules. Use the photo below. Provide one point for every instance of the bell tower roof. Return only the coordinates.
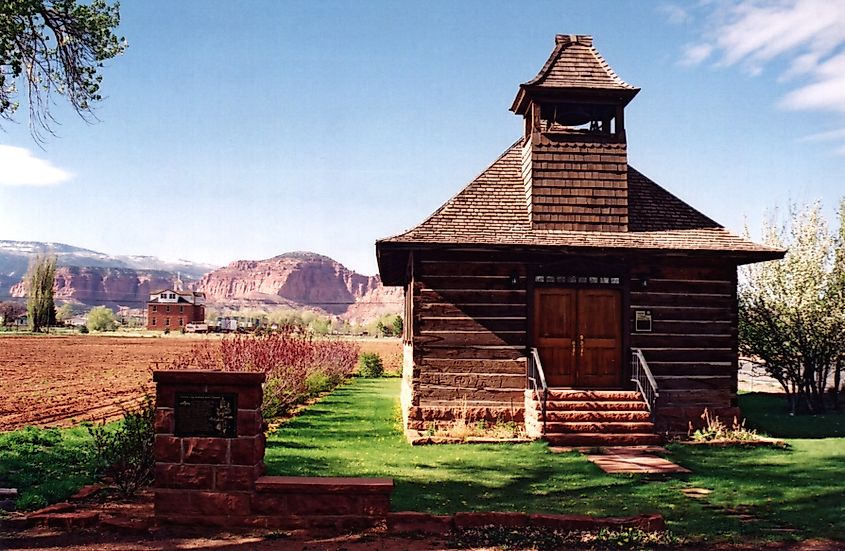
(575, 69)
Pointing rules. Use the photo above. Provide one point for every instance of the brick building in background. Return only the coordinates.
(171, 309)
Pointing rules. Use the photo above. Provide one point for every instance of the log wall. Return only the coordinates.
(692, 349)
(469, 339)
(469, 331)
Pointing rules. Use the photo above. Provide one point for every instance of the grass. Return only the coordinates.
(793, 493)
(756, 494)
(45, 465)
(769, 413)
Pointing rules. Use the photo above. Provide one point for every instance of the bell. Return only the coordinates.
(572, 117)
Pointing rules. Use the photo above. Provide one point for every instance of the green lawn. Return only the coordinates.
(356, 432)
(45, 465)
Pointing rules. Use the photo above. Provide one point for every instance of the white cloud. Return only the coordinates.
(695, 53)
(838, 134)
(807, 35)
(19, 167)
(674, 13)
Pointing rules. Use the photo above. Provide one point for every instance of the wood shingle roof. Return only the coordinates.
(492, 210)
(575, 64)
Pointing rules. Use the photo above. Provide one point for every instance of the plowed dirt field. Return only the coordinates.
(61, 381)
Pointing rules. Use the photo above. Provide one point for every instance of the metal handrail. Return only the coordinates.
(645, 381)
(538, 383)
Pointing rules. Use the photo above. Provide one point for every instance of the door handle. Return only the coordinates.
(573, 348)
(581, 344)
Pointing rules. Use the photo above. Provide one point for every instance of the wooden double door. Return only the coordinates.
(577, 333)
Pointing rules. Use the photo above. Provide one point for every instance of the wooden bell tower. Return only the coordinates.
(574, 157)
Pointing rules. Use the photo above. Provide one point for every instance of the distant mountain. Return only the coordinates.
(92, 277)
(298, 280)
(13, 254)
(301, 280)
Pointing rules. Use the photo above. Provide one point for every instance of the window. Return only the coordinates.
(181, 322)
(154, 322)
(167, 308)
(166, 321)
(155, 308)
(181, 309)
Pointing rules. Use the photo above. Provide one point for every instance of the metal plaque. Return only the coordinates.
(642, 321)
(206, 415)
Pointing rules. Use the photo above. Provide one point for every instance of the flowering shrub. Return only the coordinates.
(297, 366)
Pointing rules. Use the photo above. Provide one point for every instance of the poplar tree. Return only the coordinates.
(39, 302)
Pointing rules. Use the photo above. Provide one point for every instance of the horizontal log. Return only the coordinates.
(469, 263)
(470, 310)
(495, 282)
(686, 313)
(469, 338)
(702, 355)
(467, 323)
(684, 286)
(664, 340)
(683, 398)
(473, 296)
(691, 368)
(693, 382)
(684, 271)
(435, 392)
(724, 327)
(473, 380)
(651, 300)
(463, 365)
(469, 352)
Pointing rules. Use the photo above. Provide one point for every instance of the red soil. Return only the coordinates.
(61, 381)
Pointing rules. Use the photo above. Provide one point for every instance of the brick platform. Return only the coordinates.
(217, 481)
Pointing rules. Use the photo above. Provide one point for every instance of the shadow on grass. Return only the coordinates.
(362, 437)
(769, 413)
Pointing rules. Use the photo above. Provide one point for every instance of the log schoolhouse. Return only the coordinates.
(564, 289)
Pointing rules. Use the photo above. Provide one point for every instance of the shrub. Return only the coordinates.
(370, 365)
(83, 329)
(30, 502)
(715, 429)
(297, 366)
(125, 453)
(101, 318)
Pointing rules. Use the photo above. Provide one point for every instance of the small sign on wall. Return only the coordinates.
(642, 321)
(206, 415)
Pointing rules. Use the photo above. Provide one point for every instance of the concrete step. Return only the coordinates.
(596, 405)
(599, 427)
(602, 439)
(568, 395)
(598, 415)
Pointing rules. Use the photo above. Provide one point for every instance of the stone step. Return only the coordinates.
(599, 427)
(604, 416)
(561, 394)
(602, 439)
(596, 405)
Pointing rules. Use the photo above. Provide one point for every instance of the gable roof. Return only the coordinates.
(575, 64)
(185, 297)
(492, 211)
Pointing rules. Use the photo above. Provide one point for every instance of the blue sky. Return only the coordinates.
(242, 130)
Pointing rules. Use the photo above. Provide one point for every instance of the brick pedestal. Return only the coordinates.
(207, 479)
(217, 481)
